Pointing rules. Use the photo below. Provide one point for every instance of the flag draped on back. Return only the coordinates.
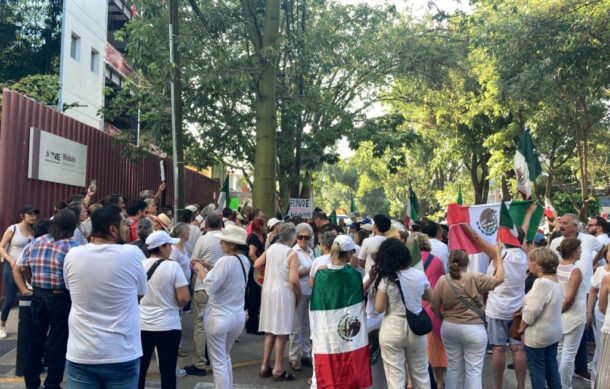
(338, 330)
(526, 164)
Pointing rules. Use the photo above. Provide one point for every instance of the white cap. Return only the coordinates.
(159, 238)
(192, 208)
(272, 222)
(345, 243)
(367, 227)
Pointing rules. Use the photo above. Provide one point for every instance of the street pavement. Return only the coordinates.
(246, 358)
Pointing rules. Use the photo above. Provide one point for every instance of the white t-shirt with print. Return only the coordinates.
(588, 245)
(105, 281)
(509, 296)
(369, 247)
(159, 309)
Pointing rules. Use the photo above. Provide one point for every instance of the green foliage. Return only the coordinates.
(563, 203)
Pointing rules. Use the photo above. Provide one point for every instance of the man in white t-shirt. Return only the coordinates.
(439, 249)
(568, 226)
(106, 281)
(370, 245)
(207, 250)
(600, 229)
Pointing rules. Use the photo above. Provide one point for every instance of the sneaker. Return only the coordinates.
(585, 376)
(180, 372)
(194, 370)
(510, 366)
(3, 333)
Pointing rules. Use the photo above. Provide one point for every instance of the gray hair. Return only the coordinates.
(144, 228)
(422, 240)
(149, 201)
(327, 238)
(179, 229)
(304, 227)
(573, 217)
(147, 194)
(287, 233)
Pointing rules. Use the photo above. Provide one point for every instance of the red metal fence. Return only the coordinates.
(114, 174)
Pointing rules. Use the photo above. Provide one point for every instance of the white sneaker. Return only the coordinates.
(3, 333)
(180, 372)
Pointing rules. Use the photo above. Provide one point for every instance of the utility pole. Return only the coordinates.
(176, 99)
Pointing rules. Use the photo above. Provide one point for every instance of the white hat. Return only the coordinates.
(233, 234)
(345, 243)
(272, 222)
(367, 227)
(192, 208)
(159, 238)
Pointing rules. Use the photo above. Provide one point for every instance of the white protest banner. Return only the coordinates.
(301, 207)
(56, 159)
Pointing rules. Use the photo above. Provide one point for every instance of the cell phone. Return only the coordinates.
(93, 185)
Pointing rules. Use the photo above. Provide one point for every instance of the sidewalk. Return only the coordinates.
(246, 357)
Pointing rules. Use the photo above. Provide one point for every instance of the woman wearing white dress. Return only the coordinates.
(280, 296)
(573, 308)
(299, 345)
(223, 315)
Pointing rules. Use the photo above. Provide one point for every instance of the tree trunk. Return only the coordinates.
(505, 189)
(479, 179)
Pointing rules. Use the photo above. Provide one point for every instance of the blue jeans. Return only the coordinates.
(122, 375)
(10, 289)
(542, 366)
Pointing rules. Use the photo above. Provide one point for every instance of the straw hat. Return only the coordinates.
(233, 234)
(165, 221)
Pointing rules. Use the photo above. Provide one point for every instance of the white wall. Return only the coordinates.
(86, 19)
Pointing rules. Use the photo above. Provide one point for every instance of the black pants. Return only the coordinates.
(50, 311)
(166, 343)
(253, 302)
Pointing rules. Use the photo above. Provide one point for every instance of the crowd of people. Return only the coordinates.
(110, 283)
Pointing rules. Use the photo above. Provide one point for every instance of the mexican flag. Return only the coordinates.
(549, 209)
(526, 165)
(412, 209)
(507, 230)
(484, 219)
(224, 200)
(338, 330)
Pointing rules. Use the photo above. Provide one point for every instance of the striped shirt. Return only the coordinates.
(208, 249)
(45, 258)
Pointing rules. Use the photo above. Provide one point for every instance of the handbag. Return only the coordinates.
(469, 302)
(419, 323)
(513, 330)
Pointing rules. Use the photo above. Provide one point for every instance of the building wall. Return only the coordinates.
(84, 28)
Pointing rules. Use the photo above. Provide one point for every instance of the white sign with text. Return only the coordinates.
(56, 159)
(301, 207)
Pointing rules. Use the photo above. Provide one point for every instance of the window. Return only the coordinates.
(75, 47)
(95, 61)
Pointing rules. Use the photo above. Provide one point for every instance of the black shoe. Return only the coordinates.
(255, 332)
(306, 362)
(193, 370)
(511, 366)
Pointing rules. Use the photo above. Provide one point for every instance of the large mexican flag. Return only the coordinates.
(338, 330)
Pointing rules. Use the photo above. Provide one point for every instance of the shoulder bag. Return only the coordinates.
(152, 269)
(243, 269)
(419, 323)
(467, 301)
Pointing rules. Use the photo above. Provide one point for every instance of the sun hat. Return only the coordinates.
(28, 209)
(159, 238)
(192, 208)
(233, 234)
(165, 221)
(345, 243)
(367, 227)
(272, 223)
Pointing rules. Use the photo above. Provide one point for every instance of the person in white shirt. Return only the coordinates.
(568, 226)
(600, 229)
(370, 245)
(326, 242)
(594, 315)
(224, 315)
(207, 251)
(105, 280)
(187, 217)
(160, 308)
(439, 249)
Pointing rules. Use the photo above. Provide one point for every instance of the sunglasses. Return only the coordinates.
(303, 237)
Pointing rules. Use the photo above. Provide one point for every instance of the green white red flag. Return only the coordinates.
(526, 165)
(507, 230)
(338, 330)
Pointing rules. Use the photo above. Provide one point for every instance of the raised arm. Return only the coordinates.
(526, 220)
(484, 245)
(499, 264)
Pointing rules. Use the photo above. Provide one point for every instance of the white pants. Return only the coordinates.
(566, 353)
(220, 335)
(597, 334)
(398, 344)
(299, 344)
(465, 345)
